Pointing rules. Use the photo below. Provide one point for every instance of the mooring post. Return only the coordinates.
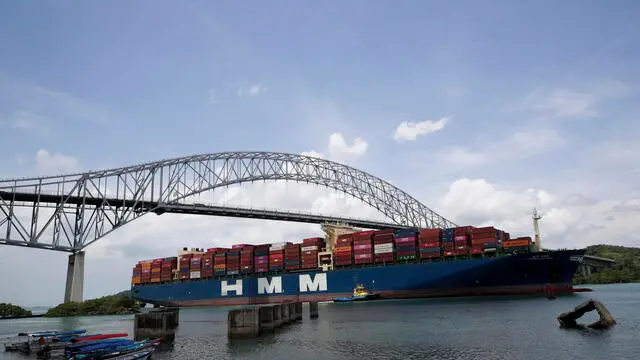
(284, 313)
(161, 323)
(277, 315)
(313, 309)
(292, 312)
(243, 323)
(266, 318)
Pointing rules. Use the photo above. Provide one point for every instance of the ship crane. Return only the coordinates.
(536, 228)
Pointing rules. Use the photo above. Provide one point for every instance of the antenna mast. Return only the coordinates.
(536, 229)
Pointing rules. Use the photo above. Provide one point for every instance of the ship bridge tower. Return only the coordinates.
(536, 229)
(332, 231)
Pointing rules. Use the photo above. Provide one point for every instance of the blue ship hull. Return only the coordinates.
(532, 273)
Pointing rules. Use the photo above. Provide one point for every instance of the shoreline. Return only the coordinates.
(21, 317)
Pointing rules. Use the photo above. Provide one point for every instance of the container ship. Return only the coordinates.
(397, 264)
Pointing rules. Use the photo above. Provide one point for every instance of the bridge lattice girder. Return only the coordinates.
(85, 207)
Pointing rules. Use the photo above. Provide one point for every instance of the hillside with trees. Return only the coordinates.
(625, 270)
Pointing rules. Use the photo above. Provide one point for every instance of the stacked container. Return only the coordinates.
(484, 239)
(136, 278)
(383, 245)
(207, 265)
(195, 270)
(429, 243)
(168, 266)
(292, 257)
(233, 262)
(309, 252)
(461, 240)
(363, 247)
(448, 247)
(405, 241)
(156, 269)
(517, 245)
(261, 258)
(343, 250)
(220, 263)
(276, 256)
(185, 266)
(246, 259)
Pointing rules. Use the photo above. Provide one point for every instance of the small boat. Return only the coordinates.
(134, 355)
(359, 294)
(24, 341)
(116, 351)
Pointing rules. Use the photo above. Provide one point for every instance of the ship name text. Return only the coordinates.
(273, 285)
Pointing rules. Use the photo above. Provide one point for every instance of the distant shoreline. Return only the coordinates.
(21, 317)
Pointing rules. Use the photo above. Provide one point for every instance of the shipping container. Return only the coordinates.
(384, 232)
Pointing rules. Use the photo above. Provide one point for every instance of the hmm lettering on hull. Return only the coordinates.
(306, 283)
(270, 287)
(225, 287)
(318, 283)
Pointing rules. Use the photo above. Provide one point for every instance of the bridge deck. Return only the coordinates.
(199, 209)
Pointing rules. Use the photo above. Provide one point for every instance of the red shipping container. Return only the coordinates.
(387, 257)
(477, 249)
(429, 255)
(425, 245)
(384, 232)
(363, 261)
(463, 230)
(430, 233)
(383, 241)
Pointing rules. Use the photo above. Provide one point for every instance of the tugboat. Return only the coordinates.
(359, 294)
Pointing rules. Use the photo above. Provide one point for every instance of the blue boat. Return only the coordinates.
(116, 350)
(359, 294)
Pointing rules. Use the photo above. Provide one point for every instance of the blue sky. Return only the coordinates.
(536, 95)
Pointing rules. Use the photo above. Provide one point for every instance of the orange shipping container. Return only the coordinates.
(517, 242)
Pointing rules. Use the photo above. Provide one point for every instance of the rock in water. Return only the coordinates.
(569, 319)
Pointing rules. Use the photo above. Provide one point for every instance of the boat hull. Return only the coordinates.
(538, 273)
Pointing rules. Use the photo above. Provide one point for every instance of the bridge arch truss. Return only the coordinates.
(85, 207)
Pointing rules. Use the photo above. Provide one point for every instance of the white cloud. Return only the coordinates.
(339, 150)
(561, 103)
(409, 131)
(520, 144)
(253, 90)
(55, 164)
(564, 224)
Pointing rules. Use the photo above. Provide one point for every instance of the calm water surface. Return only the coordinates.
(488, 328)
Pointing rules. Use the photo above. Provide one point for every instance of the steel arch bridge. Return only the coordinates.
(84, 207)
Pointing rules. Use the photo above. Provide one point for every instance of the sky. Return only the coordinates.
(480, 110)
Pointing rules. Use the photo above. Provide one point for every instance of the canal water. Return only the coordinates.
(474, 328)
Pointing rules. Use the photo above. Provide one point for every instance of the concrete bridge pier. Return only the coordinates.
(75, 278)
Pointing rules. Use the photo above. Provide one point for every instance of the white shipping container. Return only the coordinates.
(276, 247)
(309, 248)
(384, 251)
(383, 247)
(279, 244)
(195, 275)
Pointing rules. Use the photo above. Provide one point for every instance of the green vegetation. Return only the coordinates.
(625, 270)
(9, 310)
(106, 305)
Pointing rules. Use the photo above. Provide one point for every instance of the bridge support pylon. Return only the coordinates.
(75, 278)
